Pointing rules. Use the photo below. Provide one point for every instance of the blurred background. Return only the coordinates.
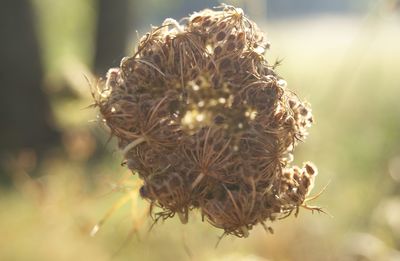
(59, 175)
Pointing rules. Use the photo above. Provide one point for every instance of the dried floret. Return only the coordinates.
(207, 124)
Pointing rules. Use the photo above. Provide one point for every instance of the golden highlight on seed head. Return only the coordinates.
(205, 121)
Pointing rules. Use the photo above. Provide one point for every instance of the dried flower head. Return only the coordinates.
(207, 124)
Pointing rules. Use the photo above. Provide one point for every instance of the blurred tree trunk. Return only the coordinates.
(112, 33)
(24, 107)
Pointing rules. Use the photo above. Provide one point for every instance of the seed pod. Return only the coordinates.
(207, 123)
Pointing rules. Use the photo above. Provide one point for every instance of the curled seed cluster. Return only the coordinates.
(207, 124)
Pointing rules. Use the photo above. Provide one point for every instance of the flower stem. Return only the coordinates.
(197, 180)
(245, 231)
(183, 217)
(132, 145)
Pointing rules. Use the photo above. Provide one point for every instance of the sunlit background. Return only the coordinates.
(60, 176)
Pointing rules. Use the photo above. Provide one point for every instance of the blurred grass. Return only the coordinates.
(346, 67)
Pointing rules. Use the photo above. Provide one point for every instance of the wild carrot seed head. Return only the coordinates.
(207, 123)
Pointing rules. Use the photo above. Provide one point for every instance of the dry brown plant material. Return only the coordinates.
(207, 124)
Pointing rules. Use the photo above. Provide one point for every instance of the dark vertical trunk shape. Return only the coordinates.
(25, 118)
(24, 107)
(112, 33)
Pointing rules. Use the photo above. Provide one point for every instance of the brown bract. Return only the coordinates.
(207, 124)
